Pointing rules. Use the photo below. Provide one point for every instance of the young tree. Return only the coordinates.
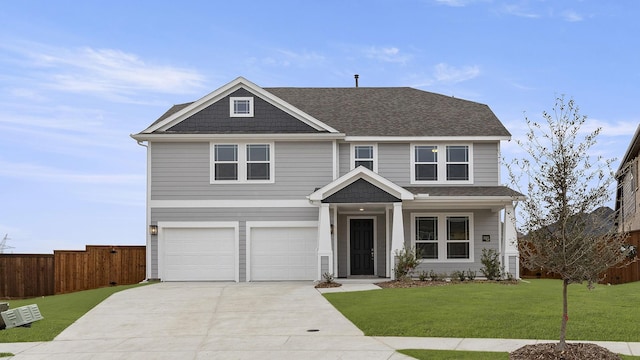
(565, 185)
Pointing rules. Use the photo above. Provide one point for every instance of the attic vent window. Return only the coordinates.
(241, 106)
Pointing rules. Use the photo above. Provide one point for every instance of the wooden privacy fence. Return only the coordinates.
(31, 275)
(98, 266)
(26, 275)
(615, 275)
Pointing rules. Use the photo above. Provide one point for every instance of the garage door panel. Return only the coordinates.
(199, 254)
(281, 253)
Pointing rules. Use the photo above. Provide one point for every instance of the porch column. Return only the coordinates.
(511, 240)
(397, 236)
(325, 254)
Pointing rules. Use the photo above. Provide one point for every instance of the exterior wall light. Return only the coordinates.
(153, 229)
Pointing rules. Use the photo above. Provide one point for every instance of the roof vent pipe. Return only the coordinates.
(356, 76)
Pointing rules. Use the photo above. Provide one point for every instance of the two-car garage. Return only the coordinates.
(211, 251)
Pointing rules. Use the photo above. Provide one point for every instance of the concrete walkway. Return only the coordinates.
(235, 321)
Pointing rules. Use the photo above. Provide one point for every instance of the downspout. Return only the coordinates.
(148, 212)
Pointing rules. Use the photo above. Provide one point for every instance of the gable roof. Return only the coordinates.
(353, 176)
(632, 151)
(361, 111)
(397, 111)
(178, 113)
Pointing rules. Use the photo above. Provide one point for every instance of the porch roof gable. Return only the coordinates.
(361, 173)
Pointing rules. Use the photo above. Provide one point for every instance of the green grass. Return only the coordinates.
(454, 355)
(492, 310)
(58, 311)
(468, 355)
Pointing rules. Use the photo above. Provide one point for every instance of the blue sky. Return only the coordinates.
(77, 77)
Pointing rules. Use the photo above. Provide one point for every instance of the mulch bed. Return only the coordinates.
(572, 352)
(324, 285)
(425, 283)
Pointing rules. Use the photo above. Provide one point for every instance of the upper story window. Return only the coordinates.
(443, 237)
(364, 155)
(241, 106)
(241, 162)
(458, 162)
(441, 164)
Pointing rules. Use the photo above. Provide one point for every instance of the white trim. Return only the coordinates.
(360, 173)
(441, 163)
(148, 215)
(374, 154)
(266, 224)
(232, 106)
(230, 203)
(336, 160)
(375, 242)
(229, 88)
(334, 222)
(425, 138)
(442, 238)
(387, 246)
(162, 225)
(242, 163)
(172, 137)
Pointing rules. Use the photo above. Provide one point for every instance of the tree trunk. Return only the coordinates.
(565, 317)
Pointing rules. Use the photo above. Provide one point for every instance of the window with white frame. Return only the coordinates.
(426, 163)
(443, 237)
(364, 155)
(457, 162)
(225, 162)
(241, 162)
(241, 106)
(441, 163)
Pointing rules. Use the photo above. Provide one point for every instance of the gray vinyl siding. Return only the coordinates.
(485, 222)
(344, 158)
(486, 165)
(242, 215)
(394, 162)
(181, 171)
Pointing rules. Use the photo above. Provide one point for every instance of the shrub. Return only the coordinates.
(436, 276)
(408, 259)
(458, 275)
(491, 264)
(328, 278)
(422, 275)
(471, 275)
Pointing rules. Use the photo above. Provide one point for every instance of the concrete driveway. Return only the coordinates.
(275, 320)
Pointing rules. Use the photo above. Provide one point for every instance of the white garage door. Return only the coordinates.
(283, 253)
(199, 254)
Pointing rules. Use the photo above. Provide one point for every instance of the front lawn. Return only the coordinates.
(468, 355)
(529, 310)
(58, 311)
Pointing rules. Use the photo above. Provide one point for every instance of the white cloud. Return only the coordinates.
(108, 72)
(454, 3)
(572, 16)
(387, 54)
(287, 58)
(446, 73)
(520, 10)
(48, 174)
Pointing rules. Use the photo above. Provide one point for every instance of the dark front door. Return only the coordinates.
(361, 236)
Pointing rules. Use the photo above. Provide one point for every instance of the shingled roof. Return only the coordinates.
(388, 111)
(393, 111)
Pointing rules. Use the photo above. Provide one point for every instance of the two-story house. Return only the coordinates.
(627, 195)
(253, 184)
